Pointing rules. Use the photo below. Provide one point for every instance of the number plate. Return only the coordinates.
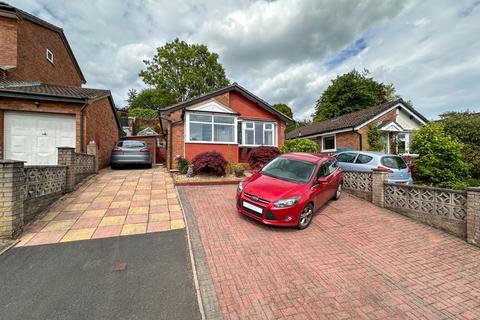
(252, 207)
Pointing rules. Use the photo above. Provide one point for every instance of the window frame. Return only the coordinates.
(49, 53)
(212, 122)
(273, 130)
(334, 143)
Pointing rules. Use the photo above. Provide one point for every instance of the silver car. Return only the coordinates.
(130, 152)
(365, 161)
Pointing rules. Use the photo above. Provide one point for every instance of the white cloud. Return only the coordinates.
(281, 49)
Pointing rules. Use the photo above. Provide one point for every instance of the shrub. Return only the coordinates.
(210, 162)
(441, 159)
(182, 164)
(260, 156)
(143, 113)
(374, 139)
(299, 145)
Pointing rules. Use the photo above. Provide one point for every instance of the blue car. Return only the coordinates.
(365, 161)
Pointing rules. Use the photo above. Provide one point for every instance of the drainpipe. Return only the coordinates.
(360, 139)
(82, 149)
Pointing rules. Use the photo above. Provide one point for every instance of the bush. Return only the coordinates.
(299, 145)
(210, 162)
(375, 139)
(182, 164)
(441, 158)
(143, 113)
(260, 156)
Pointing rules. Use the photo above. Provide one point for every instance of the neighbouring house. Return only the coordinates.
(396, 120)
(42, 102)
(230, 120)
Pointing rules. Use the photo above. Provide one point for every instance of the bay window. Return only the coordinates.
(210, 128)
(257, 133)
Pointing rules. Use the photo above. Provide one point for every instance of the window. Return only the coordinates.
(393, 162)
(348, 157)
(363, 158)
(289, 169)
(259, 133)
(403, 141)
(326, 168)
(328, 143)
(49, 56)
(131, 144)
(211, 128)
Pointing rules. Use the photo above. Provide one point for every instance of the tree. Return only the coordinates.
(184, 70)
(441, 159)
(465, 127)
(351, 92)
(143, 113)
(283, 108)
(131, 95)
(151, 98)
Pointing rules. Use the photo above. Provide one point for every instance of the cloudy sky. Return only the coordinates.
(287, 50)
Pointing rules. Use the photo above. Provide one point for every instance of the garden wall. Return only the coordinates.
(454, 211)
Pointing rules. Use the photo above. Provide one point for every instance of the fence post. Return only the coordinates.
(473, 215)
(379, 177)
(66, 157)
(12, 195)
(93, 150)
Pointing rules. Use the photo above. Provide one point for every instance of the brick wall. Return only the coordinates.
(32, 43)
(8, 41)
(390, 116)
(28, 105)
(101, 126)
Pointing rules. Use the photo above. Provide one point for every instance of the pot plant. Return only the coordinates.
(239, 170)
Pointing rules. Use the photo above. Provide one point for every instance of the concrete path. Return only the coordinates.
(355, 261)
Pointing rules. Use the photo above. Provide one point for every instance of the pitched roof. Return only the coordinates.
(232, 87)
(349, 120)
(36, 88)
(5, 7)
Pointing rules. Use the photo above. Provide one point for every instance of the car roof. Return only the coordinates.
(371, 153)
(310, 157)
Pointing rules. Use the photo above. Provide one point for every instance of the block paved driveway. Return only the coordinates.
(355, 261)
(113, 203)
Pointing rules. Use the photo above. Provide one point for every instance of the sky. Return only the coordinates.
(285, 51)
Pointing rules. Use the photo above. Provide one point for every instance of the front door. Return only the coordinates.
(34, 137)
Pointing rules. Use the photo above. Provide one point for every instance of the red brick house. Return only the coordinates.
(42, 102)
(230, 120)
(396, 120)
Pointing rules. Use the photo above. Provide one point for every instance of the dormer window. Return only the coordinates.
(49, 56)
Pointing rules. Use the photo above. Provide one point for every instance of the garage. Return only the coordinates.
(34, 137)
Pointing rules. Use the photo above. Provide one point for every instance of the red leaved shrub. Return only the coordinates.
(260, 156)
(211, 162)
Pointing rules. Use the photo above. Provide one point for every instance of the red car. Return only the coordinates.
(289, 189)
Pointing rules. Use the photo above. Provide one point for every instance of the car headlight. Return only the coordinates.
(240, 186)
(283, 203)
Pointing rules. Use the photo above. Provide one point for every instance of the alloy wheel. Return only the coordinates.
(306, 216)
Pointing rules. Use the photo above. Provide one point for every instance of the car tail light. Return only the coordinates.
(117, 149)
(144, 150)
(385, 168)
(409, 169)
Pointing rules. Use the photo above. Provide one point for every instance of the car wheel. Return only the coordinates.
(114, 166)
(338, 192)
(149, 166)
(305, 217)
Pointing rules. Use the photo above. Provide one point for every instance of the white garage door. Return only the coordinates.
(34, 137)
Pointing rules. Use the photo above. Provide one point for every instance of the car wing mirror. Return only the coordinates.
(322, 180)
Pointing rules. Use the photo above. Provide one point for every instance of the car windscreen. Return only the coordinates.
(132, 144)
(289, 169)
(393, 162)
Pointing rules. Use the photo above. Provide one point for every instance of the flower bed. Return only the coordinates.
(205, 179)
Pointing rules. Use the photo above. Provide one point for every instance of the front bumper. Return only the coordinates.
(284, 217)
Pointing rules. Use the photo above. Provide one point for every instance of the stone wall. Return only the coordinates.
(84, 166)
(454, 211)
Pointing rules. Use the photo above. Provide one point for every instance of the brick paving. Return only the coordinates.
(355, 261)
(113, 203)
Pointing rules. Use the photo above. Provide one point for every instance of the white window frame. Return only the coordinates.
(273, 130)
(49, 56)
(187, 127)
(407, 141)
(334, 143)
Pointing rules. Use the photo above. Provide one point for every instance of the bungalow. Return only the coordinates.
(396, 120)
(230, 120)
(42, 102)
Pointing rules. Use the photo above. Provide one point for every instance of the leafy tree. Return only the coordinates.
(184, 70)
(351, 92)
(374, 139)
(299, 145)
(441, 159)
(151, 98)
(465, 127)
(283, 108)
(131, 95)
(143, 113)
